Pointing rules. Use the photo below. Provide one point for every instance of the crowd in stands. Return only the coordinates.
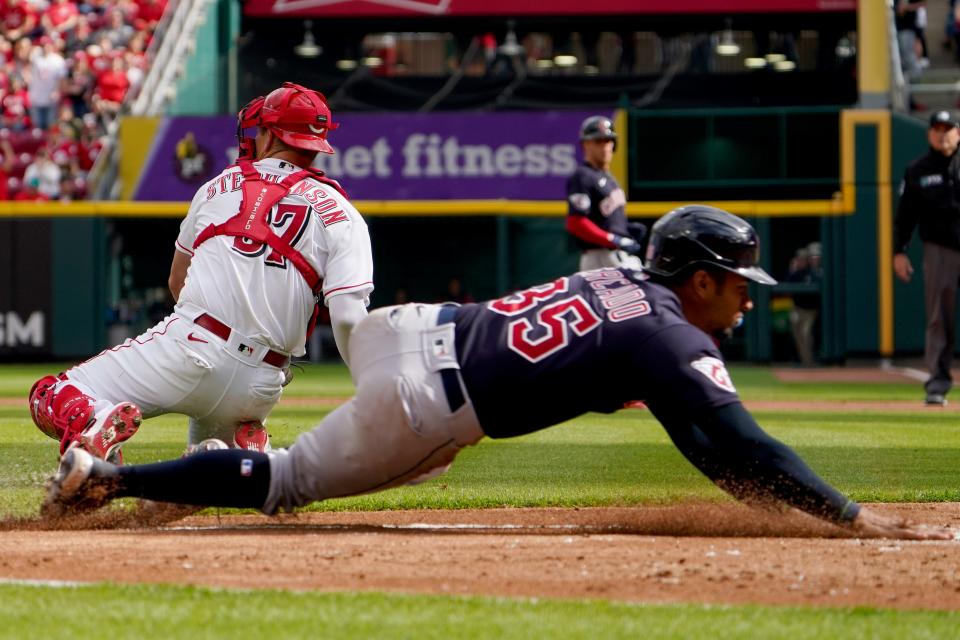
(67, 66)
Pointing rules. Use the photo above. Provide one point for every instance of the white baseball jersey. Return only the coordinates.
(252, 288)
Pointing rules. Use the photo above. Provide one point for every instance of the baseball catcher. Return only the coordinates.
(262, 245)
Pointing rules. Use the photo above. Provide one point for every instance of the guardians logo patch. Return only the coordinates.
(715, 371)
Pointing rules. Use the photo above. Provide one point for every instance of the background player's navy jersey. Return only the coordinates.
(587, 342)
(595, 194)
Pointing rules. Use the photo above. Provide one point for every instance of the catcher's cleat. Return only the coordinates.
(82, 483)
(110, 429)
(252, 436)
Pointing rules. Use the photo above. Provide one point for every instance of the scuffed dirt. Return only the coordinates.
(712, 553)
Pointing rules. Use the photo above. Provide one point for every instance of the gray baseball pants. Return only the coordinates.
(397, 429)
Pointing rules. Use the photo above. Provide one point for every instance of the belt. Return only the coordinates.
(451, 377)
(217, 328)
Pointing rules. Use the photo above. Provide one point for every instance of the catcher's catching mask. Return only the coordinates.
(248, 118)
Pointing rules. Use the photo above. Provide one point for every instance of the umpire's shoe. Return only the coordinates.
(82, 483)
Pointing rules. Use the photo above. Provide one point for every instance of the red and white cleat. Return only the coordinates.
(252, 436)
(110, 429)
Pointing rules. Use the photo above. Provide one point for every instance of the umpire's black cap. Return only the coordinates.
(943, 117)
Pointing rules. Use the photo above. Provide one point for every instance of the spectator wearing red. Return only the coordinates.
(90, 147)
(6, 168)
(31, 191)
(151, 11)
(18, 19)
(6, 50)
(16, 106)
(112, 86)
(60, 18)
(100, 54)
(64, 150)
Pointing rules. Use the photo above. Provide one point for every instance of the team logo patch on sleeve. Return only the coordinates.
(580, 201)
(715, 371)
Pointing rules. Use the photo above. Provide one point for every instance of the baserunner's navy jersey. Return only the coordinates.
(595, 194)
(592, 341)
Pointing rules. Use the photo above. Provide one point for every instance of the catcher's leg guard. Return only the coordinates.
(65, 413)
(252, 436)
(41, 409)
(60, 409)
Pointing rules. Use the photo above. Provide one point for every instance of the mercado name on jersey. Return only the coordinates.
(592, 341)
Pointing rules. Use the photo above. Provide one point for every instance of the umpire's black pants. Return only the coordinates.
(941, 277)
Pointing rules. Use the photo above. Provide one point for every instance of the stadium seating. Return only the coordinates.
(105, 50)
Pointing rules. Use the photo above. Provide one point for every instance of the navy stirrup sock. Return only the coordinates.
(224, 478)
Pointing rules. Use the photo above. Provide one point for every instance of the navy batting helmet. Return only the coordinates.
(698, 235)
(598, 128)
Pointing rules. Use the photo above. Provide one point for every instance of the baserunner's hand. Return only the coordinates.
(870, 523)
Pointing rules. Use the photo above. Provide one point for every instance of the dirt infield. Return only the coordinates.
(716, 553)
(713, 553)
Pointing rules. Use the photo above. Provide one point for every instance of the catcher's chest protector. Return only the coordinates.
(252, 221)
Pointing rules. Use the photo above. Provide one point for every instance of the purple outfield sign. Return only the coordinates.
(438, 156)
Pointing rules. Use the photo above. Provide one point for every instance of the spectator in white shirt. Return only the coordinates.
(48, 69)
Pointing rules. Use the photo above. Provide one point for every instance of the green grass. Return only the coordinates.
(120, 611)
(620, 459)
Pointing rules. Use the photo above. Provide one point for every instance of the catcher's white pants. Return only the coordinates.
(600, 258)
(178, 367)
(398, 427)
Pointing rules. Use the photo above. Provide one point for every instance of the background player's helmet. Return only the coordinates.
(598, 128)
(698, 235)
(297, 115)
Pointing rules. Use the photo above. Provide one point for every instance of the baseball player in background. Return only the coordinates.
(432, 379)
(262, 245)
(595, 201)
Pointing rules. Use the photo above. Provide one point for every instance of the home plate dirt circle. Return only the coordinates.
(702, 553)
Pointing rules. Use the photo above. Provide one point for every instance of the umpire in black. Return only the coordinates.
(930, 200)
(596, 217)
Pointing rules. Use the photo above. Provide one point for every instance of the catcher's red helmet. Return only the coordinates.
(297, 115)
